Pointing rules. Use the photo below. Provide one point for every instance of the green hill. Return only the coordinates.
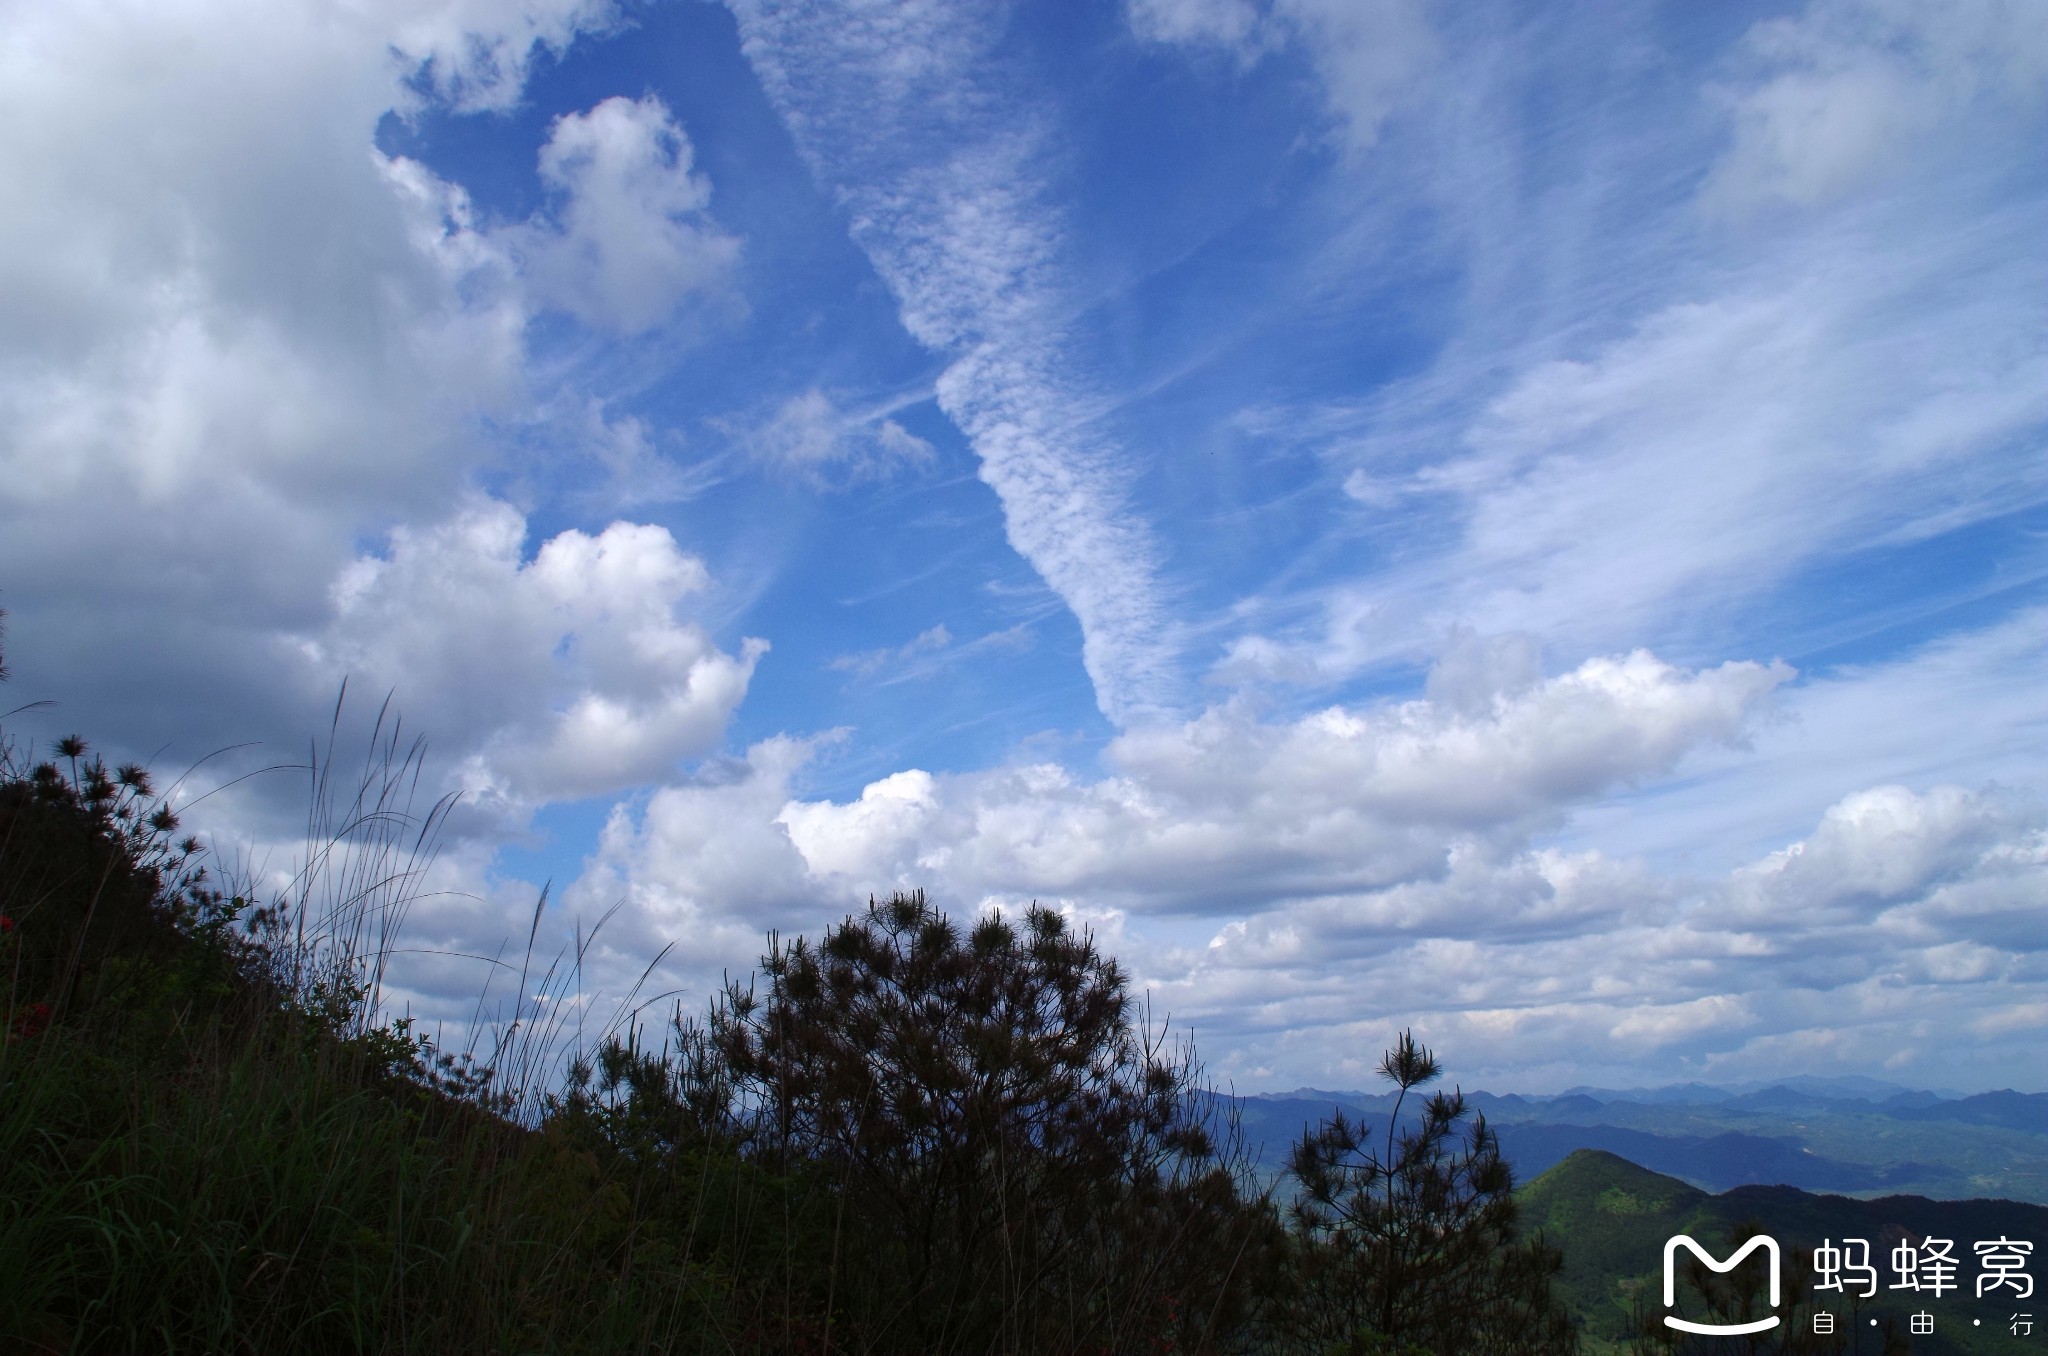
(1611, 1218)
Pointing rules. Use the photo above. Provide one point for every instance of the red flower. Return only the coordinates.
(6, 923)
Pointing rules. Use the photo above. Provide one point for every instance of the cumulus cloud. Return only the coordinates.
(1824, 953)
(1472, 671)
(1359, 870)
(1872, 848)
(240, 339)
(706, 866)
(250, 343)
(1363, 827)
(630, 236)
(1956, 711)
(245, 287)
(1225, 811)
(1479, 894)
(565, 676)
(844, 840)
(811, 438)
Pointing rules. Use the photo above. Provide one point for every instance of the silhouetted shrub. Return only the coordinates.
(1409, 1244)
(1016, 1162)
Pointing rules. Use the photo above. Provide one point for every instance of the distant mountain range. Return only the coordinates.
(1850, 1088)
(1856, 1136)
(1611, 1218)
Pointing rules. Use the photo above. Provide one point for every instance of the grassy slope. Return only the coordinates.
(190, 1160)
(207, 1144)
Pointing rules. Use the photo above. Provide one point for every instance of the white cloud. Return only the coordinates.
(250, 344)
(1368, 58)
(1673, 475)
(869, 663)
(631, 236)
(240, 286)
(1658, 979)
(1335, 838)
(1471, 671)
(1628, 434)
(810, 437)
(843, 840)
(1224, 811)
(242, 345)
(476, 53)
(1646, 425)
(1374, 869)
(1232, 23)
(239, 338)
(1607, 722)
(1876, 846)
(565, 676)
(1967, 709)
(708, 866)
(1849, 91)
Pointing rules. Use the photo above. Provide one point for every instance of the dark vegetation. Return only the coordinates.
(1462, 1282)
(1992, 1144)
(912, 1135)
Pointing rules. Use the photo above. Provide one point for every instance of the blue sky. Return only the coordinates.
(1525, 522)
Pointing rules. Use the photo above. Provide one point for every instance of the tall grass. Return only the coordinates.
(213, 1139)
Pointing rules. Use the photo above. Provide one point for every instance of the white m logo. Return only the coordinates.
(1764, 1241)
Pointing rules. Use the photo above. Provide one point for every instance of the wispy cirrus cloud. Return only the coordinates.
(944, 173)
(869, 663)
(1658, 447)
(810, 437)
